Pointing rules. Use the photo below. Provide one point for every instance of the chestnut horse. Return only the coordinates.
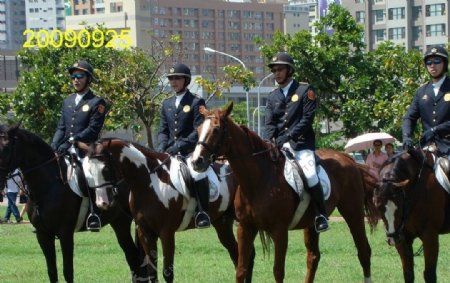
(158, 208)
(413, 205)
(265, 202)
(53, 207)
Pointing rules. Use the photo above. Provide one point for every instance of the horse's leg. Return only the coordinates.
(358, 231)
(47, 244)
(121, 227)
(405, 251)
(66, 241)
(224, 229)
(246, 251)
(168, 247)
(430, 252)
(280, 240)
(311, 240)
(148, 242)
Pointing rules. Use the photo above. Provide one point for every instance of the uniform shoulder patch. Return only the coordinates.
(303, 83)
(311, 94)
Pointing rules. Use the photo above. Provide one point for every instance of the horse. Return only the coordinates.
(265, 202)
(413, 205)
(158, 208)
(53, 207)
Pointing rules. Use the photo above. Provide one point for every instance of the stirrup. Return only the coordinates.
(93, 223)
(202, 223)
(324, 222)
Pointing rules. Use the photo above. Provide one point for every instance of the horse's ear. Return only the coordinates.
(228, 108)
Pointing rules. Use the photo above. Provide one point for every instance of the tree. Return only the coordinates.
(128, 79)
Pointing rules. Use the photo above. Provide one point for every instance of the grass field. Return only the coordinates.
(200, 258)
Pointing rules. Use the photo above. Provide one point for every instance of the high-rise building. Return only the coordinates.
(415, 24)
(45, 15)
(12, 24)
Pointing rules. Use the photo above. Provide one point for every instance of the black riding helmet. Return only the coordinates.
(84, 66)
(438, 51)
(282, 58)
(180, 70)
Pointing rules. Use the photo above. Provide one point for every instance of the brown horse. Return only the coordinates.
(158, 207)
(413, 205)
(265, 202)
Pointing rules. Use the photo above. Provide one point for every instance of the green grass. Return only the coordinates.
(200, 258)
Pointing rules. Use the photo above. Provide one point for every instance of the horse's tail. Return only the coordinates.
(370, 183)
(266, 242)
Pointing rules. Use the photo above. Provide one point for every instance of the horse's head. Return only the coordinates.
(391, 197)
(8, 152)
(212, 137)
(101, 172)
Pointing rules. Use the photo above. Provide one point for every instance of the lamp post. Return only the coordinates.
(259, 114)
(207, 49)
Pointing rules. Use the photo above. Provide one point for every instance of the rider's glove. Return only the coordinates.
(408, 144)
(282, 140)
(427, 136)
(172, 150)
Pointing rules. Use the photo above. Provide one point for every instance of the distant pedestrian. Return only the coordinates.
(13, 186)
(389, 148)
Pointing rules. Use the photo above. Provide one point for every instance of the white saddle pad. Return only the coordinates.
(441, 176)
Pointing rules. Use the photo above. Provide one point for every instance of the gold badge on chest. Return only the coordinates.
(186, 108)
(85, 108)
(294, 98)
(447, 96)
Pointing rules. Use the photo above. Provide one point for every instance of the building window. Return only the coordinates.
(435, 10)
(416, 12)
(435, 30)
(379, 34)
(396, 13)
(396, 33)
(359, 1)
(378, 15)
(360, 17)
(416, 32)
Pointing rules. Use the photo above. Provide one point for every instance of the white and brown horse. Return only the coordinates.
(160, 203)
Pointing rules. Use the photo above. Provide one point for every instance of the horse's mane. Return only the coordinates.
(256, 141)
(145, 150)
(31, 138)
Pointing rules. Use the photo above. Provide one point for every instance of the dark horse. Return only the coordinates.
(53, 207)
(265, 202)
(158, 208)
(413, 205)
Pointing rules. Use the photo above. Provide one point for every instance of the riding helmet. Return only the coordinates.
(83, 66)
(282, 58)
(180, 70)
(437, 51)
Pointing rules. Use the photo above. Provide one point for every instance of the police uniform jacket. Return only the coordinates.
(292, 115)
(179, 125)
(433, 111)
(83, 121)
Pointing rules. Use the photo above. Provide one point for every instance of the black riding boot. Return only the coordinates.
(202, 195)
(321, 221)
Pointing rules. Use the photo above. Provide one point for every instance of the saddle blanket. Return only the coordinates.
(440, 175)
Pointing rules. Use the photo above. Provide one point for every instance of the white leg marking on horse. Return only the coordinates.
(367, 280)
(391, 207)
(201, 138)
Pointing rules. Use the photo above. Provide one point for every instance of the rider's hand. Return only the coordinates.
(282, 140)
(408, 144)
(427, 136)
(172, 150)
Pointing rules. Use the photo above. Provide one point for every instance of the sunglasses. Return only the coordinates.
(77, 76)
(435, 61)
(175, 78)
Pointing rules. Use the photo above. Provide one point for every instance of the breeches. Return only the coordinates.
(307, 162)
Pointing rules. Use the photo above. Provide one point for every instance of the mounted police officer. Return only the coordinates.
(431, 104)
(180, 118)
(289, 121)
(82, 118)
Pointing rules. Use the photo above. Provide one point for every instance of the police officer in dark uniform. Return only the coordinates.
(82, 118)
(431, 104)
(180, 118)
(289, 121)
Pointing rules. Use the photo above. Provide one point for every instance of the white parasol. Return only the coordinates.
(365, 141)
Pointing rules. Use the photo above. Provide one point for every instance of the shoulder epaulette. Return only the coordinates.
(303, 83)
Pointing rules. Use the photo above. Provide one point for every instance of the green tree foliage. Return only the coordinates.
(127, 79)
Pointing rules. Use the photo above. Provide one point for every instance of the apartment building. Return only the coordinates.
(12, 24)
(297, 15)
(45, 14)
(414, 23)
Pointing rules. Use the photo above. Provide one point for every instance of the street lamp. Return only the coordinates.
(259, 114)
(207, 49)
